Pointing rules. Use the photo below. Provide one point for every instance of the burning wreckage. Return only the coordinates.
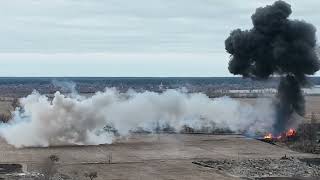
(289, 135)
(283, 47)
(275, 45)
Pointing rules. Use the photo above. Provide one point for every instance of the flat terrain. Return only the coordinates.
(165, 156)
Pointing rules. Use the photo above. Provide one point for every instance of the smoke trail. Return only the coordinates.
(276, 45)
(65, 86)
(68, 120)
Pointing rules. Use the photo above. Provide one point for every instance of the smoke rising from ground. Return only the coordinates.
(69, 119)
(65, 86)
(276, 45)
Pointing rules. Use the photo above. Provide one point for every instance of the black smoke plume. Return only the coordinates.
(279, 46)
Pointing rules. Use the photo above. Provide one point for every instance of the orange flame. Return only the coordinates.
(268, 136)
(291, 132)
(287, 134)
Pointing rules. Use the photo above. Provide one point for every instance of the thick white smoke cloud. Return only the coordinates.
(66, 119)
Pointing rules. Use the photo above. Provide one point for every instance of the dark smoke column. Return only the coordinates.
(276, 45)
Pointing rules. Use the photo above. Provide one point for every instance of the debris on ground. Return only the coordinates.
(265, 167)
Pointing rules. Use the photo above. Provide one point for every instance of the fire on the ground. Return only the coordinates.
(287, 135)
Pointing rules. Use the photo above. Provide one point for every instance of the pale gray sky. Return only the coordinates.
(125, 37)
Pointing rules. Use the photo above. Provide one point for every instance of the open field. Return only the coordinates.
(164, 156)
(142, 156)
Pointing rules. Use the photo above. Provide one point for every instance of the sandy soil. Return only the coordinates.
(165, 156)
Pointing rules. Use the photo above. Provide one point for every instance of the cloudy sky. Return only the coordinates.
(125, 37)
